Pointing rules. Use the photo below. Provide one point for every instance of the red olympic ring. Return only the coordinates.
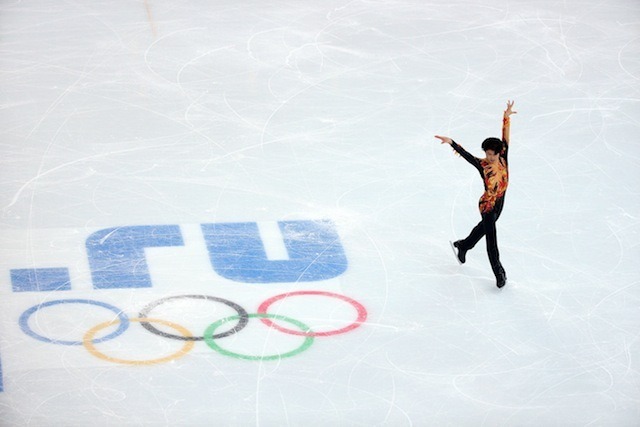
(362, 314)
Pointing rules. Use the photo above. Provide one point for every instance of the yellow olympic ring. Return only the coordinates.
(87, 341)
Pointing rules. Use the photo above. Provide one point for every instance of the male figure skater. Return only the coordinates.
(494, 170)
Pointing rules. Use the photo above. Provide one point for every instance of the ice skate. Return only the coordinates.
(461, 254)
(501, 280)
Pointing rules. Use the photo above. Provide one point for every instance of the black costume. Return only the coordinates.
(496, 180)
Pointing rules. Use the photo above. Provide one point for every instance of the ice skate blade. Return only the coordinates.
(455, 252)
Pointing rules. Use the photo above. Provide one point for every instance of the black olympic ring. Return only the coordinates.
(243, 317)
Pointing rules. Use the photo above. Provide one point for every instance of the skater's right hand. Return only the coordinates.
(445, 139)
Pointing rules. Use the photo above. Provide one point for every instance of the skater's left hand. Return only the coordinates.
(509, 110)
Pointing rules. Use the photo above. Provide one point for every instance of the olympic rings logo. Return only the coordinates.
(209, 336)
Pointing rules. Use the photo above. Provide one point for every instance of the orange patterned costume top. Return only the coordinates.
(495, 176)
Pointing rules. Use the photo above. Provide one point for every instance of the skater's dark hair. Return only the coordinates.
(493, 144)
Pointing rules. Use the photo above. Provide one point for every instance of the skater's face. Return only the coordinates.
(492, 156)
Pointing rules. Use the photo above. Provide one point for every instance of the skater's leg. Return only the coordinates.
(489, 223)
(498, 211)
(474, 237)
(464, 245)
(476, 234)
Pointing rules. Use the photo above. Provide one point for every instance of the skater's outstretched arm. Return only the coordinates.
(506, 121)
(464, 153)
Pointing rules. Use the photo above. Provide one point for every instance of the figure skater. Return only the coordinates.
(494, 170)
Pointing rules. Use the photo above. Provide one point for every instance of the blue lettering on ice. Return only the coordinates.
(117, 258)
(40, 279)
(237, 253)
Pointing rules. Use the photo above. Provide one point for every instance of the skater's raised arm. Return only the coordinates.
(506, 121)
(464, 153)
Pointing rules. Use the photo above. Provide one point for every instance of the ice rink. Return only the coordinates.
(235, 213)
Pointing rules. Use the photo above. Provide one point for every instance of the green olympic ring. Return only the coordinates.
(211, 342)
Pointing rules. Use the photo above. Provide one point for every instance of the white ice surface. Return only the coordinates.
(130, 112)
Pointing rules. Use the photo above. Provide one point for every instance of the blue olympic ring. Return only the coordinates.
(24, 320)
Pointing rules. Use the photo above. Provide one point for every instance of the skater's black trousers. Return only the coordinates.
(487, 228)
